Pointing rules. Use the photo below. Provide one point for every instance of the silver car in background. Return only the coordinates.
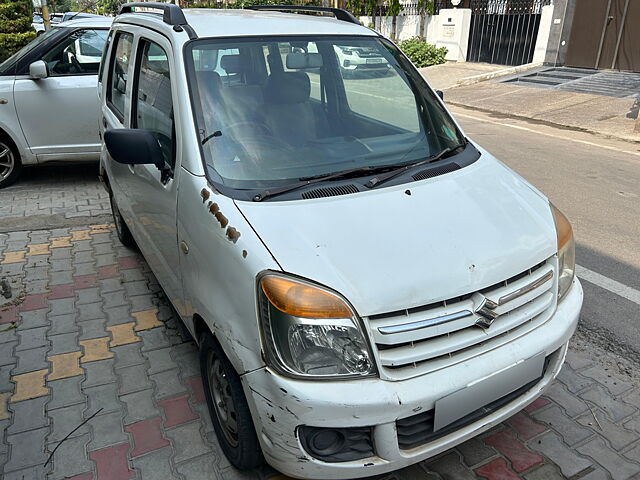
(48, 98)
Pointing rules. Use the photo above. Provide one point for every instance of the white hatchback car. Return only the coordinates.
(366, 285)
(48, 98)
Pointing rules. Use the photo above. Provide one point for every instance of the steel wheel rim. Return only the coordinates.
(7, 161)
(222, 399)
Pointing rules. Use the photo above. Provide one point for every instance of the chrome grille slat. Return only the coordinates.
(445, 332)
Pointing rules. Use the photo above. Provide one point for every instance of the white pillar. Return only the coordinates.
(544, 29)
(453, 32)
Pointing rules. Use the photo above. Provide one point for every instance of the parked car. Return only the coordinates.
(354, 60)
(38, 24)
(367, 286)
(48, 106)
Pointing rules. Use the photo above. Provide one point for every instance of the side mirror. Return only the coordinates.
(133, 147)
(440, 93)
(38, 70)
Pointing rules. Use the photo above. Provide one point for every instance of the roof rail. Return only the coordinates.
(172, 15)
(339, 13)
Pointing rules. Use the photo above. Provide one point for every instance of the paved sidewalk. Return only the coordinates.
(87, 331)
(601, 115)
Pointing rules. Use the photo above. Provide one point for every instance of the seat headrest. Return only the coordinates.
(231, 64)
(208, 79)
(288, 87)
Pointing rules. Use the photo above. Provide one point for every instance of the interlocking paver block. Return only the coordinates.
(30, 385)
(614, 382)
(85, 281)
(570, 430)
(108, 271)
(496, 470)
(32, 338)
(133, 379)
(196, 388)
(33, 302)
(128, 262)
(615, 409)
(546, 472)
(77, 235)
(140, 406)
(122, 334)
(100, 372)
(168, 383)
(572, 404)
(38, 249)
(616, 435)
(474, 451)
(112, 463)
(107, 430)
(65, 420)
(65, 392)
(27, 449)
(103, 396)
(564, 457)
(65, 365)
(618, 467)
(66, 290)
(95, 349)
(187, 441)
(146, 319)
(177, 411)
(8, 314)
(4, 399)
(14, 257)
(147, 436)
(157, 464)
(519, 455)
(61, 242)
(63, 343)
(28, 415)
(449, 466)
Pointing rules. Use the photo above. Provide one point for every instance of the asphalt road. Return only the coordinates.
(596, 183)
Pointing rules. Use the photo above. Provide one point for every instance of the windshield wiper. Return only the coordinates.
(304, 181)
(375, 181)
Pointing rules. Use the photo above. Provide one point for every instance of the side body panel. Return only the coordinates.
(9, 119)
(219, 272)
(59, 116)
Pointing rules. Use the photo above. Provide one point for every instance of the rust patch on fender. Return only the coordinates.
(204, 193)
(214, 208)
(221, 218)
(233, 234)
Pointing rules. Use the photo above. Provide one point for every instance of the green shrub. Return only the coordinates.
(15, 26)
(421, 53)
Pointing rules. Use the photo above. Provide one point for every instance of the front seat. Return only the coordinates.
(288, 112)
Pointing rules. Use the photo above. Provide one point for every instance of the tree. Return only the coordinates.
(394, 7)
(425, 7)
(16, 31)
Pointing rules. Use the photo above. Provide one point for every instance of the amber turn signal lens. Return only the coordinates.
(301, 300)
(563, 227)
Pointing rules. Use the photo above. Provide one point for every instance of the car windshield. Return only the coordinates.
(273, 110)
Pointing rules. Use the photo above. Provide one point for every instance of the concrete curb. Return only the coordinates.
(497, 73)
(546, 122)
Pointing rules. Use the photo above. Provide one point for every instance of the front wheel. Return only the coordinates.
(228, 407)
(10, 164)
(124, 234)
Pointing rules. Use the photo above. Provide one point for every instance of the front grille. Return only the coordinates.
(330, 191)
(423, 339)
(418, 429)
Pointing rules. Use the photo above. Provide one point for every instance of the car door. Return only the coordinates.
(153, 191)
(59, 114)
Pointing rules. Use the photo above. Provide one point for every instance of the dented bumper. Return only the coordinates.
(281, 405)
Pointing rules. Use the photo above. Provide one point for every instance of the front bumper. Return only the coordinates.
(279, 405)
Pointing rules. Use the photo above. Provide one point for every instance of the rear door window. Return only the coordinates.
(119, 73)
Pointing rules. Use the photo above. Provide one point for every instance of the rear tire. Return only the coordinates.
(124, 234)
(10, 163)
(228, 407)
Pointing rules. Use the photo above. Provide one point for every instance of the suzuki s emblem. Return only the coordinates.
(486, 312)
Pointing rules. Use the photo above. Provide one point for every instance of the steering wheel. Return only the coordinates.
(75, 62)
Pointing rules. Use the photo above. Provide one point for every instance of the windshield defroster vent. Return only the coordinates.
(330, 191)
(436, 171)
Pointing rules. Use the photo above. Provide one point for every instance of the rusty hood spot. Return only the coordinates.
(233, 234)
(204, 193)
(221, 218)
(213, 208)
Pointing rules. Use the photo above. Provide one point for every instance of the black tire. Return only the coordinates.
(10, 162)
(239, 444)
(124, 234)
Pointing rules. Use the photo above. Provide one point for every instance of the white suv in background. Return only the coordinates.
(366, 285)
(48, 98)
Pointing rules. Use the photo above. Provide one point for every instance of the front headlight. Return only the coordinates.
(309, 331)
(566, 252)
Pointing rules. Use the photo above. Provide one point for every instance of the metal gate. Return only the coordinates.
(504, 31)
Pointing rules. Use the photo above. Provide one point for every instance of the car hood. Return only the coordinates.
(410, 245)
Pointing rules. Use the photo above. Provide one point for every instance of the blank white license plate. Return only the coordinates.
(476, 395)
(375, 60)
